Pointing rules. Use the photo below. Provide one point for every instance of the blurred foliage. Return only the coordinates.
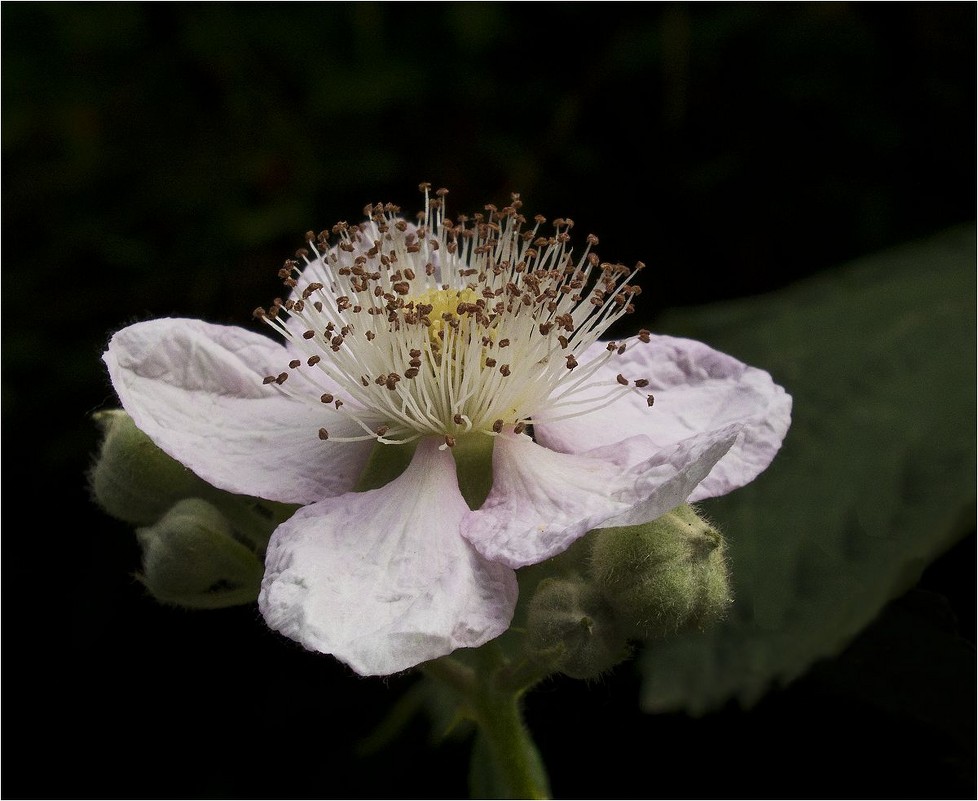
(877, 476)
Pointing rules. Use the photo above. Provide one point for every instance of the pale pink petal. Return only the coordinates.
(541, 500)
(196, 390)
(382, 579)
(696, 390)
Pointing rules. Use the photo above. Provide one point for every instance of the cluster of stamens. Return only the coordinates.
(446, 328)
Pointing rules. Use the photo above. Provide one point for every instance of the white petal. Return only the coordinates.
(196, 390)
(541, 500)
(382, 579)
(697, 390)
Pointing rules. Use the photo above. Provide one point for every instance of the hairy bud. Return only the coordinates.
(571, 628)
(662, 576)
(192, 558)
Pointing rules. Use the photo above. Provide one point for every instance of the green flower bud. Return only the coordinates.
(572, 629)
(192, 558)
(132, 479)
(663, 576)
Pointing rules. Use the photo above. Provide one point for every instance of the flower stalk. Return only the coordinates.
(505, 759)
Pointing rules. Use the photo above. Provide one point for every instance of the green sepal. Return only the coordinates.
(386, 462)
(473, 465)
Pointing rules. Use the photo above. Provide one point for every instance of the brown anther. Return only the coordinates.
(504, 370)
(519, 428)
(504, 343)
(450, 440)
(645, 336)
(392, 380)
(621, 349)
(326, 398)
(571, 362)
(497, 426)
(313, 360)
(280, 378)
(402, 287)
(268, 379)
(490, 362)
(411, 372)
(294, 363)
(323, 433)
(365, 381)
(563, 341)
(259, 313)
(621, 380)
(381, 430)
(309, 290)
(650, 400)
(308, 334)
(641, 382)
(457, 419)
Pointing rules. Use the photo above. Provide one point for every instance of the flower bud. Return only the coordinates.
(662, 576)
(571, 628)
(132, 479)
(191, 558)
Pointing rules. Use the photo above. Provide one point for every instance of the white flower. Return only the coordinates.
(457, 336)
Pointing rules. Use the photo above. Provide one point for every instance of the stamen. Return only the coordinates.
(408, 323)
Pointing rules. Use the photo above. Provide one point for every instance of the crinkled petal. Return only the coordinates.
(696, 390)
(541, 500)
(196, 390)
(382, 579)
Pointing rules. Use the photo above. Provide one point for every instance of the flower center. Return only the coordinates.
(446, 329)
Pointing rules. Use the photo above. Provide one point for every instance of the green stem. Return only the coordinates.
(514, 764)
(517, 767)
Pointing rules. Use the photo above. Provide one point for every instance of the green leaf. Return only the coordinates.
(876, 478)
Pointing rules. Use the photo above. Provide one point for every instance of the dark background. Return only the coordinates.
(163, 159)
